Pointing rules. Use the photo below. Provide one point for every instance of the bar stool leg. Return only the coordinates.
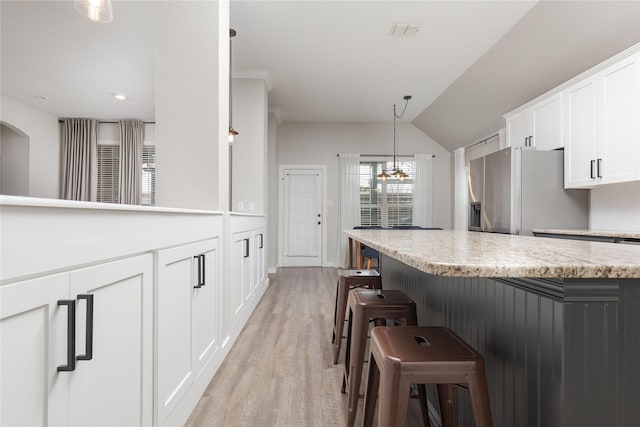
(335, 312)
(359, 329)
(448, 400)
(480, 397)
(338, 328)
(393, 400)
(371, 392)
(424, 408)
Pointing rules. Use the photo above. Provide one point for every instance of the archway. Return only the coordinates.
(14, 161)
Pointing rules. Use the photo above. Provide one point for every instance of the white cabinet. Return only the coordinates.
(187, 319)
(602, 126)
(538, 126)
(259, 251)
(77, 347)
(240, 289)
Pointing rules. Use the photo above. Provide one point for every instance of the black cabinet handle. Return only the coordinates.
(71, 335)
(261, 241)
(246, 248)
(88, 352)
(199, 285)
(203, 266)
(593, 162)
(599, 175)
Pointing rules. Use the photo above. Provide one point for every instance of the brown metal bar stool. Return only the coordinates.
(365, 305)
(423, 355)
(347, 280)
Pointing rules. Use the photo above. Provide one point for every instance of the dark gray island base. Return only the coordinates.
(559, 352)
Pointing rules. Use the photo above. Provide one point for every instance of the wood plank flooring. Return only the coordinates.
(280, 371)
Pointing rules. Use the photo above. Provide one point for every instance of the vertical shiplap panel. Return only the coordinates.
(546, 377)
(508, 339)
(556, 361)
(573, 372)
(594, 341)
(628, 361)
(532, 359)
(501, 356)
(519, 357)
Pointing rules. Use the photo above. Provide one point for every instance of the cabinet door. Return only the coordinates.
(619, 115)
(260, 275)
(33, 333)
(114, 387)
(239, 288)
(580, 133)
(175, 285)
(517, 129)
(204, 304)
(545, 124)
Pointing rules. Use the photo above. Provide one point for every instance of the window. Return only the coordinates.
(108, 160)
(108, 174)
(386, 203)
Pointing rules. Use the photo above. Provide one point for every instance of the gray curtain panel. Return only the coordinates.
(79, 159)
(131, 140)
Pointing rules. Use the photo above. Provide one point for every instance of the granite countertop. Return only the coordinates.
(475, 254)
(591, 233)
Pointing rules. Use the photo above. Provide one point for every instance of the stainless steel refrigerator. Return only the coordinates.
(515, 190)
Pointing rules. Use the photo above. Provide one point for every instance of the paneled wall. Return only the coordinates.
(557, 352)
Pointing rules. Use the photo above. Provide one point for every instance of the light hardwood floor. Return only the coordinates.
(280, 370)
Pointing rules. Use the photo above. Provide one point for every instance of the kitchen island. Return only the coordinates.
(557, 320)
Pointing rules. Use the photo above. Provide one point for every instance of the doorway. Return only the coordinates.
(303, 216)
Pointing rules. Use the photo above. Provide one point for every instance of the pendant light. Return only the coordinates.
(396, 172)
(96, 10)
(232, 132)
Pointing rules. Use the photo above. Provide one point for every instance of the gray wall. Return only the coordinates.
(319, 143)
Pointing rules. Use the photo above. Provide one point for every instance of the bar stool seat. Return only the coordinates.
(423, 355)
(347, 280)
(365, 305)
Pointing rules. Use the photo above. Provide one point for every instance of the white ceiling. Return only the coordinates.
(328, 61)
(48, 49)
(335, 61)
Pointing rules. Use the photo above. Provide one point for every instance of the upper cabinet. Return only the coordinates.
(537, 126)
(602, 126)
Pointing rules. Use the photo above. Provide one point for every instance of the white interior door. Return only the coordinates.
(302, 217)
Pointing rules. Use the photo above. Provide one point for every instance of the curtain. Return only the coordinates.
(131, 140)
(423, 191)
(80, 159)
(349, 177)
(460, 191)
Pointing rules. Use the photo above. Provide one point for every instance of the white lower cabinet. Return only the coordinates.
(240, 289)
(187, 319)
(260, 269)
(77, 347)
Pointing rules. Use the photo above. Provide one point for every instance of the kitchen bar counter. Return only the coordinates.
(556, 320)
(613, 236)
(474, 254)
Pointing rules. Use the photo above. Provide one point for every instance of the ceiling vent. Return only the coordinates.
(404, 29)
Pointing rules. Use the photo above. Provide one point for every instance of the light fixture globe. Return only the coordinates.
(384, 175)
(96, 10)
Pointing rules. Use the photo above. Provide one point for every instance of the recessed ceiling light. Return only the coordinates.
(119, 96)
